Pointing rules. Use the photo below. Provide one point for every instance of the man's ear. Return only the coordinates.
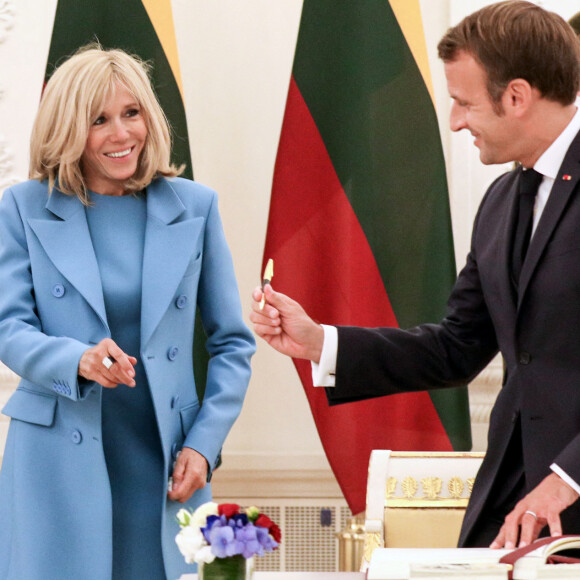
(518, 96)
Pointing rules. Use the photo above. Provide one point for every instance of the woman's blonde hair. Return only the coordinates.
(73, 99)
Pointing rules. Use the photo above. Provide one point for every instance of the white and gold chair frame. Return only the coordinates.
(417, 499)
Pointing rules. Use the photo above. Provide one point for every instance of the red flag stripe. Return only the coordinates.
(321, 255)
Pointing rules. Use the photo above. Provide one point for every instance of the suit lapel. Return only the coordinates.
(68, 244)
(169, 246)
(564, 185)
(505, 247)
(508, 228)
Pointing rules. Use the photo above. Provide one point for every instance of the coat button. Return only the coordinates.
(172, 353)
(76, 437)
(174, 401)
(58, 290)
(525, 358)
(181, 301)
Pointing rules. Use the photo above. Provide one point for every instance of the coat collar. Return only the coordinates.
(170, 241)
(163, 203)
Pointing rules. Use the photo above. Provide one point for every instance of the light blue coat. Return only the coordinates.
(55, 500)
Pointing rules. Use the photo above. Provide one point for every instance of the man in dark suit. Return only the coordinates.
(513, 73)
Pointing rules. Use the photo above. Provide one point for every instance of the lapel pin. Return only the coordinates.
(566, 177)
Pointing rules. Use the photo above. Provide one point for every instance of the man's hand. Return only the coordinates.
(285, 326)
(541, 507)
(189, 475)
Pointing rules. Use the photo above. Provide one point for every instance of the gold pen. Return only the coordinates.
(267, 278)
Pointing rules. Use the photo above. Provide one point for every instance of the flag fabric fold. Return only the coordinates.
(359, 225)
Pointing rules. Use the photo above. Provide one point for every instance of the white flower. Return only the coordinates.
(205, 556)
(190, 541)
(199, 517)
(183, 517)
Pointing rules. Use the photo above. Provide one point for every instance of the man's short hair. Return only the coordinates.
(518, 39)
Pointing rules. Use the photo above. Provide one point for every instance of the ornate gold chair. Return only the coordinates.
(417, 499)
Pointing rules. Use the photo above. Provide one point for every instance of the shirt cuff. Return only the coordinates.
(567, 479)
(324, 371)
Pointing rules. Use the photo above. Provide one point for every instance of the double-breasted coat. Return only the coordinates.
(55, 499)
(536, 329)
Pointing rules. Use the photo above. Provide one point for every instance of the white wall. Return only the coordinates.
(236, 59)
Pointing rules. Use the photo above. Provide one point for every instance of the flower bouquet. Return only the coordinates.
(223, 539)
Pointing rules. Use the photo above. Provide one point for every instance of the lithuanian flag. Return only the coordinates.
(359, 225)
(144, 28)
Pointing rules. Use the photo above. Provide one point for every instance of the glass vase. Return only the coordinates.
(232, 568)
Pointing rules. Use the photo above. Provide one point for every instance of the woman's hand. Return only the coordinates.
(91, 365)
(189, 475)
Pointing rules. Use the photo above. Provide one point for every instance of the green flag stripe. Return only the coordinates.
(374, 113)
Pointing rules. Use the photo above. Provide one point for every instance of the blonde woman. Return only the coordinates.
(105, 254)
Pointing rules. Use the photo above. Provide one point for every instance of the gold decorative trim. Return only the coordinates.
(432, 487)
(455, 487)
(373, 540)
(470, 483)
(421, 502)
(431, 491)
(409, 486)
(391, 486)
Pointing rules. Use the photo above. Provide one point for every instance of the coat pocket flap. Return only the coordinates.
(31, 407)
(188, 415)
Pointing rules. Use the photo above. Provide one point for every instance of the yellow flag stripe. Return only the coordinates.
(408, 14)
(161, 17)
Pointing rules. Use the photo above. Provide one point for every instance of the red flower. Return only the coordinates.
(276, 533)
(228, 509)
(265, 522)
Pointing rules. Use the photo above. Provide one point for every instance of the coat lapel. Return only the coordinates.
(68, 244)
(170, 242)
(564, 185)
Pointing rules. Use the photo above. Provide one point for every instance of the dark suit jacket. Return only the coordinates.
(538, 334)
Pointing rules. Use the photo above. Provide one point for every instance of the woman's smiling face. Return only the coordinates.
(114, 144)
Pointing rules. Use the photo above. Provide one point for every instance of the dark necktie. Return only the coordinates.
(527, 189)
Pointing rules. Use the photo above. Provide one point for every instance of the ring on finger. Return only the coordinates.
(535, 516)
(108, 362)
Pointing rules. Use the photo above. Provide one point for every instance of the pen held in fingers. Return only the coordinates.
(267, 279)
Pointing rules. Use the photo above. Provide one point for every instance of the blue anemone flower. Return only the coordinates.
(223, 542)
